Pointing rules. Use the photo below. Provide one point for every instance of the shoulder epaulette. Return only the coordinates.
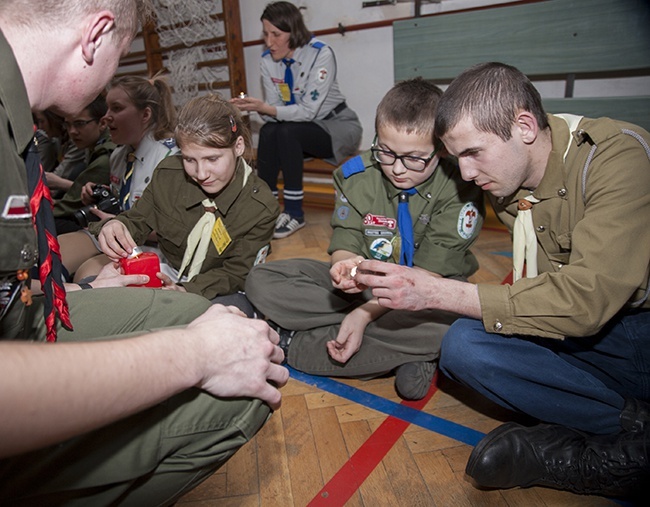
(353, 166)
(317, 44)
(170, 142)
(171, 162)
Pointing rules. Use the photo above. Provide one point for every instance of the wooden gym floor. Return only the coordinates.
(341, 442)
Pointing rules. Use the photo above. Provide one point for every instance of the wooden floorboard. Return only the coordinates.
(306, 443)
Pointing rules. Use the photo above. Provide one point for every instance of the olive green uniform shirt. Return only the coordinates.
(593, 250)
(98, 172)
(447, 215)
(171, 206)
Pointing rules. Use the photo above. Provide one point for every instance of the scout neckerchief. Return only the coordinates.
(405, 224)
(201, 234)
(524, 240)
(49, 256)
(288, 79)
(125, 189)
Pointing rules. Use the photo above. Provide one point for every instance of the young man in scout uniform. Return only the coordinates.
(569, 343)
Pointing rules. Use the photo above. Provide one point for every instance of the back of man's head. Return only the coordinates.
(409, 106)
(491, 94)
(53, 14)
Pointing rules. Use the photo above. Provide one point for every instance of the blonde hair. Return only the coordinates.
(210, 121)
(155, 94)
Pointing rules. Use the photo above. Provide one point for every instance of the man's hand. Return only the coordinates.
(395, 286)
(238, 356)
(403, 288)
(115, 240)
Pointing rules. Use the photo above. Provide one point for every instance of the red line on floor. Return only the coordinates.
(349, 478)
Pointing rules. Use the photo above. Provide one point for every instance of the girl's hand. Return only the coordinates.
(168, 283)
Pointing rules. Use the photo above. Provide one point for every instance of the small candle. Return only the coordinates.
(242, 95)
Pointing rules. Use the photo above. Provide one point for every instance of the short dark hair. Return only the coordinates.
(491, 95)
(97, 108)
(410, 106)
(286, 17)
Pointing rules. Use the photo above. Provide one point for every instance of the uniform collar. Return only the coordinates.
(422, 189)
(554, 172)
(13, 96)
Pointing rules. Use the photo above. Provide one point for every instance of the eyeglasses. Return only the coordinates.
(77, 124)
(411, 162)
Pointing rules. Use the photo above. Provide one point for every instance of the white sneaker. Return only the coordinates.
(287, 226)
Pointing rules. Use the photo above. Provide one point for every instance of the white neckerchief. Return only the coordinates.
(524, 240)
(200, 235)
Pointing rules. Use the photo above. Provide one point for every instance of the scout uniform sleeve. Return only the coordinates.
(309, 101)
(346, 222)
(453, 227)
(98, 171)
(608, 253)
(250, 225)
(271, 93)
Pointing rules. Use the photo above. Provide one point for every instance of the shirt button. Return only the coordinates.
(497, 326)
(428, 195)
(500, 200)
(560, 266)
(255, 190)
(541, 228)
(561, 192)
(26, 254)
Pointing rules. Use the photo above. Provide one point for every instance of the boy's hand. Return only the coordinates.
(343, 273)
(348, 341)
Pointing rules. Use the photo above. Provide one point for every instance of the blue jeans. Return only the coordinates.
(577, 382)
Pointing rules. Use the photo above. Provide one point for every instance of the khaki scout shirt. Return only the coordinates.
(447, 216)
(171, 206)
(593, 253)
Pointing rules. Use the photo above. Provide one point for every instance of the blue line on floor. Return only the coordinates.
(422, 419)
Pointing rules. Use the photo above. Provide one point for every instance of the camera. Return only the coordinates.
(104, 201)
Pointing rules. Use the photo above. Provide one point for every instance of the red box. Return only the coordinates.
(145, 263)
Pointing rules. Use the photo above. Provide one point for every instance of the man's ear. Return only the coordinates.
(240, 146)
(99, 26)
(526, 124)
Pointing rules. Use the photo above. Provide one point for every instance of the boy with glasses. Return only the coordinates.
(399, 202)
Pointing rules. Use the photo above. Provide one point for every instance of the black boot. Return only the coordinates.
(562, 458)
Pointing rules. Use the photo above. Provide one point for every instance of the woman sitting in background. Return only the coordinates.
(305, 111)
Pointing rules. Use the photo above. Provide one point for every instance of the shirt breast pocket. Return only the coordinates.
(172, 234)
(561, 253)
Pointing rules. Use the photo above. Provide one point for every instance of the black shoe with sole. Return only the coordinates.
(562, 458)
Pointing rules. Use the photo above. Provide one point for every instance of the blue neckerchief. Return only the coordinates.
(288, 78)
(405, 224)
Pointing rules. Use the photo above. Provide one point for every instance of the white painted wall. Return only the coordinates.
(365, 57)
